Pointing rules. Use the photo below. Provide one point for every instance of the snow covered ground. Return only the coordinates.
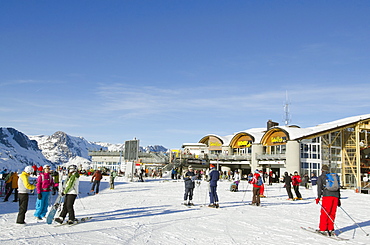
(151, 213)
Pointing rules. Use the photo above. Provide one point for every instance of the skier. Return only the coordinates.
(13, 180)
(189, 178)
(306, 181)
(213, 177)
(257, 183)
(236, 178)
(70, 192)
(97, 176)
(314, 184)
(45, 184)
(296, 179)
(24, 188)
(262, 187)
(330, 202)
(112, 176)
(287, 184)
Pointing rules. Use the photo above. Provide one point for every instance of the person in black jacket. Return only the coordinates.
(330, 202)
(189, 178)
(288, 185)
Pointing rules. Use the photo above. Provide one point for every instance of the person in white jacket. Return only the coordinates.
(24, 188)
(236, 178)
(71, 192)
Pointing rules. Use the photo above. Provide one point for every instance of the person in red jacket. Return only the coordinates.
(257, 183)
(96, 178)
(296, 179)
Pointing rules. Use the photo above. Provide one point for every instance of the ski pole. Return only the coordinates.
(330, 218)
(367, 234)
(245, 192)
(205, 198)
(79, 198)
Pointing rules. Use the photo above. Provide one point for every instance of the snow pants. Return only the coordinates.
(188, 193)
(262, 189)
(97, 184)
(256, 199)
(328, 211)
(213, 194)
(10, 192)
(42, 205)
(69, 201)
(296, 190)
(23, 206)
(289, 191)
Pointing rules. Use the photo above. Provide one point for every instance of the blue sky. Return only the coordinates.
(171, 72)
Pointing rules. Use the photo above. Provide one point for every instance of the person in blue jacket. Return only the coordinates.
(213, 177)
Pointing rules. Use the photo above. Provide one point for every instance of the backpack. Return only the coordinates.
(259, 181)
(332, 182)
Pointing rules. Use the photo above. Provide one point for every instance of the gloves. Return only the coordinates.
(39, 196)
(317, 200)
(339, 203)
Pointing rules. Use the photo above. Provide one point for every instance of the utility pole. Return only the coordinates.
(286, 110)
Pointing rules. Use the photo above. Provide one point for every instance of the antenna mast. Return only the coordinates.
(286, 110)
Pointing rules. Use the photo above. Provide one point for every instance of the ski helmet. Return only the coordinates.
(72, 168)
(28, 169)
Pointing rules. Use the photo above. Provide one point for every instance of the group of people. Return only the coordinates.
(189, 179)
(44, 185)
(47, 183)
(329, 196)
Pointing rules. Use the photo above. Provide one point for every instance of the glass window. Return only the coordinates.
(283, 149)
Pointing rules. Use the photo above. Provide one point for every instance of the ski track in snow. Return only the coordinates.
(151, 213)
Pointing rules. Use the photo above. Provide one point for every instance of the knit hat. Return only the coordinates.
(325, 168)
(211, 166)
(190, 167)
(257, 171)
(28, 169)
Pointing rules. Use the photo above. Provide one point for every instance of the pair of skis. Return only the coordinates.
(333, 236)
(79, 221)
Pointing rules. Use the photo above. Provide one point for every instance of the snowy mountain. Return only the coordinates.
(61, 148)
(154, 148)
(18, 151)
(121, 147)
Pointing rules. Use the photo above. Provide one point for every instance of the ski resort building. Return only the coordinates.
(342, 144)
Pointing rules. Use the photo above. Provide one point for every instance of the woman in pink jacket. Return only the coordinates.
(44, 186)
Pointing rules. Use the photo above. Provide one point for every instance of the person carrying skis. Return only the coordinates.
(189, 178)
(97, 176)
(70, 192)
(330, 193)
(257, 183)
(296, 180)
(24, 188)
(287, 184)
(213, 177)
(44, 185)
